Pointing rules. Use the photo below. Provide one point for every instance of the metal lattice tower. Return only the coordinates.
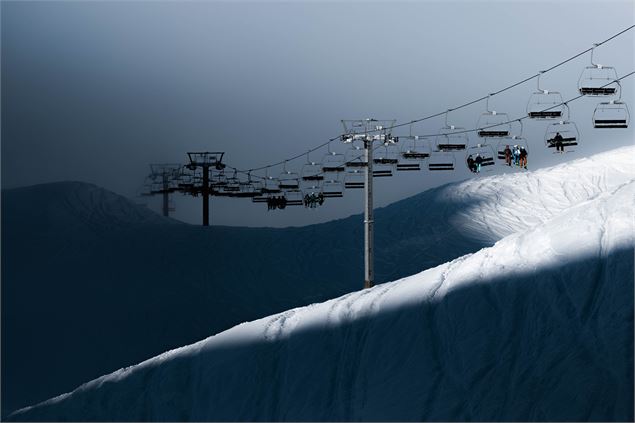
(206, 162)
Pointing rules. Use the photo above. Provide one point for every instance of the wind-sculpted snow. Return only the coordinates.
(111, 284)
(538, 326)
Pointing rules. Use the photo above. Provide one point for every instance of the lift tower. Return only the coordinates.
(163, 178)
(206, 161)
(368, 131)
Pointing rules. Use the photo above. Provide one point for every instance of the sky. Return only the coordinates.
(96, 91)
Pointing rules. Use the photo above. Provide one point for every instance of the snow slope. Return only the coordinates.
(537, 327)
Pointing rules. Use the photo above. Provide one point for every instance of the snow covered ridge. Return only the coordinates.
(74, 203)
(537, 327)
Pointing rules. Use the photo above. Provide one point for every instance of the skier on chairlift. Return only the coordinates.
(470, 164)
(523, 158)
(508, 155)
(558, 141)
(478, 160)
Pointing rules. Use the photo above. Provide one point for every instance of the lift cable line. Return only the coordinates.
(469, 103)
(432, 135)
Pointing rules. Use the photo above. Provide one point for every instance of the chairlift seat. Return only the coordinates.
(598, 90)
(408, 166)
(485, 133)
(451, 147)
(610, 123)
(353, 185)
(441, 166)
(415, 155)
(549, 114)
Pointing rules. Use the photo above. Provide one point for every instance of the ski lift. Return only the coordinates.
(333, 162)
(451, 138)
(354, 179)
(598, 80)
(611, 114)
(385, 161)
(567, 129)
(260, 199)
(512, 141)
(440, 160)
(485, 151)
(313, 189)
(294, 198)
(354, 157)
(415, 150)
(332, 189)
(545, 104)
(312, 171)
(289, 180)
(270, 185)
(492, 123)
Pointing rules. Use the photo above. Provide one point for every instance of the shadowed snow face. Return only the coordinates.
(537, 327)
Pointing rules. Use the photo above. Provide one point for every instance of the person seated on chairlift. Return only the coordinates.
(516, 153)
(478, 160)
(470, 164)
(508, 155)
(558, 141)
(523, 158)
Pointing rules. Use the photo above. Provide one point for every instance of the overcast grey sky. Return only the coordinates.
(95, 91)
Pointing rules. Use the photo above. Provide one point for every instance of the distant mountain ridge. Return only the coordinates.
(111, 283)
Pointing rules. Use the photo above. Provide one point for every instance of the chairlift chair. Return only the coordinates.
(289, 180)
(611, 114)
(312, 171)
(451, 137)
(385, 160)
(332, 189)
(294, 198)
(271, 185)
(354, 179)
(354, 157)
(415, 151)
(545, 104)
(598, 80)
(440, 160)
(568, 130)
(512, 141)
(492, 123)
(333, 163)
(485, 151)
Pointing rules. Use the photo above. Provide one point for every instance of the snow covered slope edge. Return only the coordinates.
(537, 327)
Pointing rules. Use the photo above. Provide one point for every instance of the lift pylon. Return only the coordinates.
(368, 131)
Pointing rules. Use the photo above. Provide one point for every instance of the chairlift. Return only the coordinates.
(598, 80)
(514, 140)
(567, 129)
(294, 198)
(414, 151)
(440, 160)
(270, 185)
(333, 162)
(492, 123)
(354, 179)
(485, 151)
(611, 114)
(451, 138)
(354, 157)
(332, 189)
(545, 104)
(289, 180)
(385, 161)
(312, 171)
